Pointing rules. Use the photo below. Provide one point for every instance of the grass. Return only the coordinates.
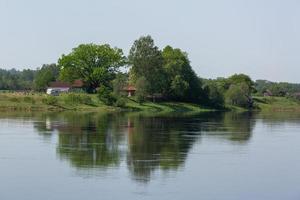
(43, 102)
(277, 104)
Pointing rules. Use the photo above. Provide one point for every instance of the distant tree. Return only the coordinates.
(147, 61)
(16, 79)
(94, 64)
(47, 74)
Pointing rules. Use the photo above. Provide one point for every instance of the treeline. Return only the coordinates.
(28, 79)
(276, 89)
(157, 74)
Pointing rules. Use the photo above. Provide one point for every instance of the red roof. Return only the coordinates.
(78, 83)
(130, 88)
(61, 84)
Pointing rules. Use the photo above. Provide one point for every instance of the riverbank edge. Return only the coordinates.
(262, 104)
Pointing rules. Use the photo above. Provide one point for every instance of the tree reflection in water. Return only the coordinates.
(147, 143)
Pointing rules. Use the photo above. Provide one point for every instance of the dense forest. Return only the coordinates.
(157, 74)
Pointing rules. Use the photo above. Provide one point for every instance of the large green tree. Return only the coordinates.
(146, 61)
(94, 64)
(182, 81)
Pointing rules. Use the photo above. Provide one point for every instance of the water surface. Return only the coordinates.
(132, 156)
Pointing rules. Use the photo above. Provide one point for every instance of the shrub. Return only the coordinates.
(29, 100)
(77, 99)
(106, 96)
(86, 99)
(121, 102)
(14, 99)
(141, 92)
(50, 100)
(72, 98)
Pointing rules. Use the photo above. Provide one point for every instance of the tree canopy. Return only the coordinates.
(93, 64)
(146, 61)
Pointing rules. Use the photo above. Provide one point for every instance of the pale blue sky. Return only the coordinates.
(257, 37)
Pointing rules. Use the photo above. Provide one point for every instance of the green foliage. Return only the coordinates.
(72, 98)
(50, 100)
(14, 99)
(147, 61)
(182, 82)
(45, 75)
(215, 96)
(141, 91)
(106, 95)
(119, 83)
(276, 89)
(16, 80)
(238, 95)
(94, 64)
(120, 102)
(29, 100)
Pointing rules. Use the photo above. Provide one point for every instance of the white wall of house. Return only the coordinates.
(60, 89)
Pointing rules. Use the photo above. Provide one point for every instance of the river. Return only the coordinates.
(59, 156)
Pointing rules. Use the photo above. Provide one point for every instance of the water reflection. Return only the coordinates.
(144, 143)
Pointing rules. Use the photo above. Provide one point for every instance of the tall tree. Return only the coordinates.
(147, 61)
(94, 64)
(182, 81)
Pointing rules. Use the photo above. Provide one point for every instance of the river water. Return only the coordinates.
(59, 156)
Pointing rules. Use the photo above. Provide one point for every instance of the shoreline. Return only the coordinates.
(35, 103)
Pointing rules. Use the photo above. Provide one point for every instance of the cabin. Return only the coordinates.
(130, 90)
(60, 86)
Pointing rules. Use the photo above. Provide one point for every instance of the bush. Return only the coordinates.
(14, 99)
(85, 99)
(29, 100)
(77, 99)
(50, 100)
(121, 102)
(141, 92)
(106, 96)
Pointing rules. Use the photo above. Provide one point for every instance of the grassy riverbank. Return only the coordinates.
(42, 102)
(277, 104)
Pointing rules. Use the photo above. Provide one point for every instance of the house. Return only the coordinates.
(268, 93)
(296, 95)
(130, 90)
(59, 86)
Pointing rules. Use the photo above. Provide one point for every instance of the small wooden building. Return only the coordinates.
(130, 90)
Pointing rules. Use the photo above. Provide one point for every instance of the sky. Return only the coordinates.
(260, 38)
